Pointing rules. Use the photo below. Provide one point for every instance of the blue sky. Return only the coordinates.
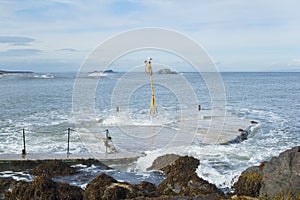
(57, 35)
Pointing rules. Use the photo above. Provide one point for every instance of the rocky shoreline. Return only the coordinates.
(277, 179)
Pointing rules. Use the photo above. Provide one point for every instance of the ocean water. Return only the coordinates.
(43, 105)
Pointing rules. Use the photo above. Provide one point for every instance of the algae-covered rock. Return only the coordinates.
(182, 166)
(248, 184)
(182, 180)
(96, 188)
(42, 187)
(53, 168)
(106, 187)
(6, 184)
(148, 189)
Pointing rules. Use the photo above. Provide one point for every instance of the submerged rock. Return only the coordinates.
(182, 180)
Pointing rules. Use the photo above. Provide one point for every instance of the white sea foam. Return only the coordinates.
(44, 76)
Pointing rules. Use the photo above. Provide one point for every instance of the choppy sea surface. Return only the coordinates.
(42, 104)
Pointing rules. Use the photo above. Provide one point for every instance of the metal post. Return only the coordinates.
(69, 130)
(24, 143)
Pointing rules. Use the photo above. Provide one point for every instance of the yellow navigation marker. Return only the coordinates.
(148, 69)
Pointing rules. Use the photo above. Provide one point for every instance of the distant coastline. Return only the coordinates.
(15, 72)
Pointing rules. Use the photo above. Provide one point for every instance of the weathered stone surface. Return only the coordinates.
(42, 187)
(53, 168)
(281, 176)
(182, 180)
(162, 161)
(277, 179)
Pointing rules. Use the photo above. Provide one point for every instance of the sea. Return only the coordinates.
(44, 106)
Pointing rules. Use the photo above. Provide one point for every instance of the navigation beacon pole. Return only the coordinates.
(148, 69)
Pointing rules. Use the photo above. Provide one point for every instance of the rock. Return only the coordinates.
(162, 161)
(281, 175)
(42, 187)
(277, 179)
(166, 71)
(96, 188)
(182, 180)
(106, 187)
(248, 184)
(109, 71)
(53, 168)
(6, 184)
(148, 189)
(120, 191)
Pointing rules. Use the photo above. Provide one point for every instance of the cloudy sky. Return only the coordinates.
(57, 35)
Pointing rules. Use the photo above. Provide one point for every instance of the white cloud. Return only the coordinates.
(294, 62)
(234, 32)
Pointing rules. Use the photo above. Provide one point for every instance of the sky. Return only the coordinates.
(238, 35)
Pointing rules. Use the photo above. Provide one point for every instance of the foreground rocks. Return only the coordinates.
(181, 181)
(106, 187)
(277, 179)
(42, 187)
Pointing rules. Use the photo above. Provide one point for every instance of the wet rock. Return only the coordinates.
(42, 187)
(106, 187)
(6, 184)
(162, 161)
(248, 184)
(53, 168)
(120, 191)
(281, 176)
(183, 166)
(96, 188)
(147, 189)
(182, 180)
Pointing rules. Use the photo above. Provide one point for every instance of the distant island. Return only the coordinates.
(166, 71)
(15, 72)
(109, 71)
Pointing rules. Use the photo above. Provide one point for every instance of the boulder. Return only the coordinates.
(106, 187)
(281, 175)
(96, 188)
(277, 179)
(162, 161)
(42, 187)
(182, 180)
(249, 183)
